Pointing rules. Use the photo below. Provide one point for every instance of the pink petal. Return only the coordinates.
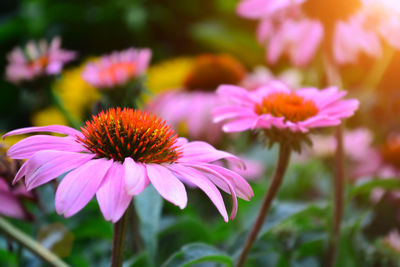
(241, 124)
(204, 184)
(221, 181)
(30, 145)
(51, 128)
(59, 164)
(135, 177)
(199, 151)
(112, 197)
(167, 185)
(80, 185)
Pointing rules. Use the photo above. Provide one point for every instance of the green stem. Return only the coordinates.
(339, 183)
(117, 257)
(30, 244)
(57, 101)
(283, 161)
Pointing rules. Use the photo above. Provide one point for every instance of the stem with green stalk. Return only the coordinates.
(283, 161)
(27, 242)
(117, 256)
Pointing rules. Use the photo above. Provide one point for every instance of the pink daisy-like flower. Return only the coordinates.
(37, 59)
(191, 105)
(117, 68)
(346, 28)
(116, 155)
(276, 106)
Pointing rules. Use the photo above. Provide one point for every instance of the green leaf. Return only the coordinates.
(197, 253)
(284, 212)
(368, 185)
(148, 206)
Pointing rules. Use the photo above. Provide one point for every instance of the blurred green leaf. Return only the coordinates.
(368, 185)
(148, 206)
(220, 37)
(57, 238)
(197, 253)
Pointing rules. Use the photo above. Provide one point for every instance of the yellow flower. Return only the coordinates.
(77, 97)
(169, 74)
(48, 116)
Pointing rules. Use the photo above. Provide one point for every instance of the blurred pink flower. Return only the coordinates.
(117, 68)
(298, 28)
(261, 76)
(188, 109)
(116, 163)
(10, 199)
(277, 106)
(37, 59)
(382, 163)
(362, 33)
(356, 144)
(191, 110)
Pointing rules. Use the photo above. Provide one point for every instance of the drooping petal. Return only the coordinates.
(167, 185)
(80, 185)
(221, 181)
(112, 196)
(61, 129)
(196, 178)
(135, 177)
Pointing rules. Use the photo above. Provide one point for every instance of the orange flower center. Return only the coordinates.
(391, 151)
(118, 134)
(291, 106)
(40, 62)
(111, 72)
(209, 71)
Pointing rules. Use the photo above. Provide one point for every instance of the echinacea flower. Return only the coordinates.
(189, 106)
(116, 155)
(37, 59)
(344, 28)
(117, 68)
(276, 109)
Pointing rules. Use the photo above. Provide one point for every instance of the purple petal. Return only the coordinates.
(203, 152)
(112, 197)
(167, 185)
(51, 128)
(80, 185)
(135, 177)
(59, 164)
(196, 178)
(10, 206)
(30, 145)
(221, 181)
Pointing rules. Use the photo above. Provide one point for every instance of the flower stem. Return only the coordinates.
(117, 257)
(338, 197)
(283, 160)
(30, 244)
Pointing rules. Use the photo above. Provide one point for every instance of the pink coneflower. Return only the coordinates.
(116, 155)
(276, 106)
(344, 28)
(117, 69)
(37, 59)
(191, 105)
